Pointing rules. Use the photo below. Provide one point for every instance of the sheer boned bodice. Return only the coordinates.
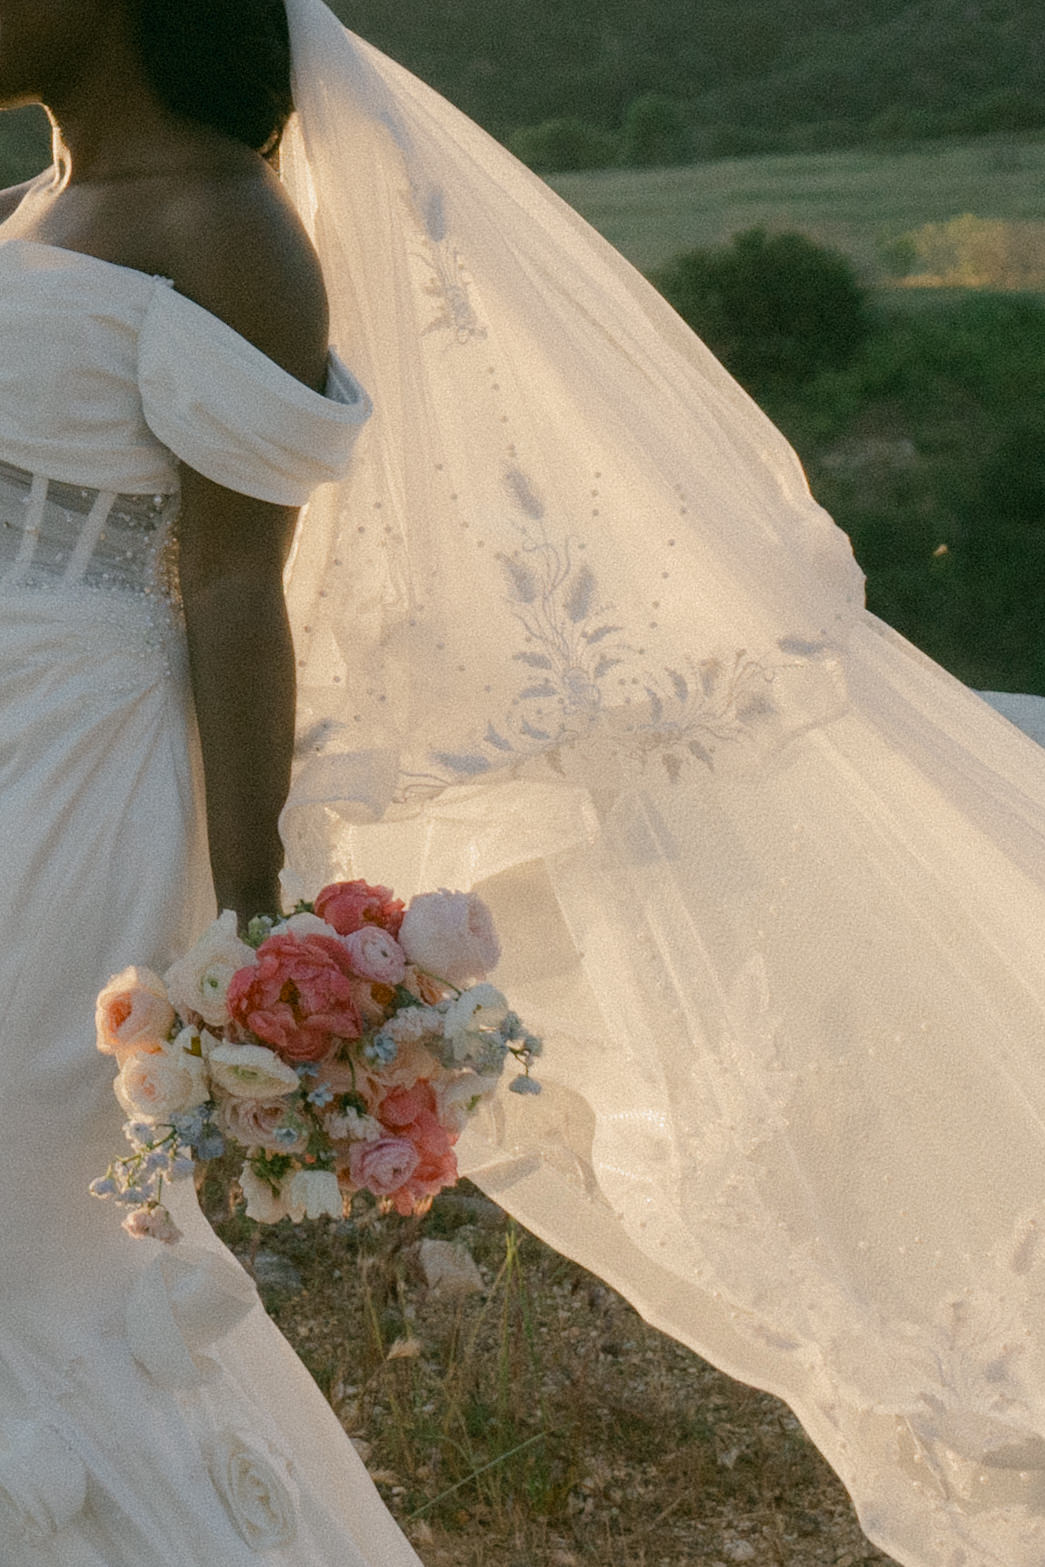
(66, 536)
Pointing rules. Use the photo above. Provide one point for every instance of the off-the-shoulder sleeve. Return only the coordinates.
(230, 412)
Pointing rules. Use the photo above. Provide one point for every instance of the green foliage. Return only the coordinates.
(775, 308)
(560, 145)
(25, 144)
(929, 451)
(655, 133)
(760, 69)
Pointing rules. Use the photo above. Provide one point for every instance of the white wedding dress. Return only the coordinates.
(128, 1438)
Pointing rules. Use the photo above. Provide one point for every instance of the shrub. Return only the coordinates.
(775, 308)
(655, 133)
(557, 146)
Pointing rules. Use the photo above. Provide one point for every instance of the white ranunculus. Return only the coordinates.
(309, 1194)
(199, 981)
(263, 1204)
(450, 934)
(251, 1071)
(304, 924)
(257, 1494)
(161, 1083)
(482, 1006)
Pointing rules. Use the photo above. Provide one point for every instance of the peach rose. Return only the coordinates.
(132, 1011)
(349, 905)
(298, 997)
(163, 1082)
(263, 1123)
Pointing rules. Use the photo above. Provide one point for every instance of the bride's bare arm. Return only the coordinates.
(241, 661)
(250, 265)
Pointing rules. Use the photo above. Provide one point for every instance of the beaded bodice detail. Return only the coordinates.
(66, 536)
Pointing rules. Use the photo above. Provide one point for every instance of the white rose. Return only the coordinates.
(450, 934)
(161, 1083)
(263, 1204)
(251, 1071)
(309, 1194)
(257, 1494)
(199, 981)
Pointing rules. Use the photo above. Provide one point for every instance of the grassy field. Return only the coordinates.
(857, 200)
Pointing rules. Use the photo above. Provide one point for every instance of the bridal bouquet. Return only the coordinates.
(343, 1049)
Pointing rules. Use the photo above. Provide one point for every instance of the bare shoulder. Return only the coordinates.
(237, 247)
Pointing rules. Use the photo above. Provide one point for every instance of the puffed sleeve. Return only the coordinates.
(227, 410)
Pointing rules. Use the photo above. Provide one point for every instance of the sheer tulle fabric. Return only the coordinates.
(771, 883)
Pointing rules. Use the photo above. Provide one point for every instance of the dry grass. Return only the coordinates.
(539, 1422)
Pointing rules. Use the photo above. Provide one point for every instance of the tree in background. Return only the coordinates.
(775, 308)
(655, 133)
(558, 146)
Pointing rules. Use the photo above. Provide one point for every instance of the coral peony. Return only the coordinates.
(298, 997)
(349, 905)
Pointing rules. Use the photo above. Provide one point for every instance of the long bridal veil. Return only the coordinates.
(771, 884)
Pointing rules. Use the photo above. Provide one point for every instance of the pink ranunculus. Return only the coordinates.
(153, 1224)
(349, 905)
(298, 997)
(382, 1167)
(375, 954)
(431, 1175)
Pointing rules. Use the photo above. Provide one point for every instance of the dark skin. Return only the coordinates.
(134, 185)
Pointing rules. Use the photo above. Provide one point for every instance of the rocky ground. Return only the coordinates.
(515, 1412)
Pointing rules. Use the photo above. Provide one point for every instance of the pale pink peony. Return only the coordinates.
(450, 934)
(255, 1122)
(132, 1012)
(152, 1224)
(375, 954)
(384, 1166)
(298, 998)
(349, 905)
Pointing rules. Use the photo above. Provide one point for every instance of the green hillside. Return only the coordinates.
(753, 65)
(859, 201)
